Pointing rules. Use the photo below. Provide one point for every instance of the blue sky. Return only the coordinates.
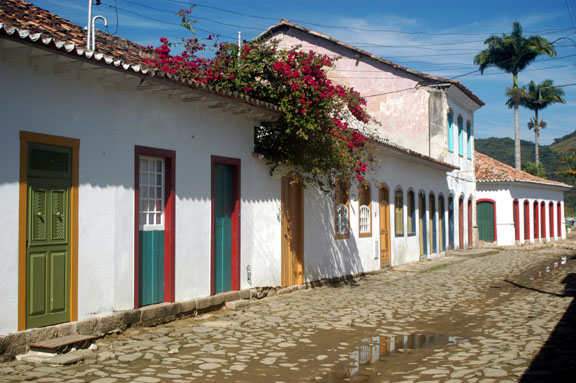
(437, 37)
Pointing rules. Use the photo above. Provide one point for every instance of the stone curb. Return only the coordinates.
(153, 315)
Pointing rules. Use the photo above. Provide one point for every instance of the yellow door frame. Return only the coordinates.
(74, 144)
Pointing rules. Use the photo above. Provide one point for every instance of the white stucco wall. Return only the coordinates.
(108, 122)
(504, 195)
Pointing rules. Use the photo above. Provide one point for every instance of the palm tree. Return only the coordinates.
(537, 97)
(513, 53)
(536, 125)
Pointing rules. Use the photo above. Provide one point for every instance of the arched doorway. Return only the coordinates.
(486, 218)
(422, 225)
(385, 255)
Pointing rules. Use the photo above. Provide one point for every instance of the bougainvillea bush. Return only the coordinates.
(313, 136)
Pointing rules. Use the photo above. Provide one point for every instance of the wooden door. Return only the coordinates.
(48, 236)
(422, 225)
(451, 222)
(385, 255)
(292, 231)
(485, 217)
(152, 193)
(224, 205)
(432, 224)
(441, 229)
(461, 223)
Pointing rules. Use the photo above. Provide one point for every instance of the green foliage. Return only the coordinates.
(322, 130)
(536, 170)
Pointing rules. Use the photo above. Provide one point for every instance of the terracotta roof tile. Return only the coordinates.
(284, 24)
(490, 170)
(26, 16)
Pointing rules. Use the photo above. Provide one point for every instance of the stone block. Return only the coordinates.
(231, 296)
(188, 307)
(203, 303)
(218, 299)
(87, 326)
(236, 305)
(64, 359)
(160, 313)
(110, 323)
(244, 294)
(132, 317)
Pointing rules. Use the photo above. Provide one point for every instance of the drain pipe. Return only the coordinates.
(94, 29)
(89, 27)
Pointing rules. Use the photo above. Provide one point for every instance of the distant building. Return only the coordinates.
(515, 207)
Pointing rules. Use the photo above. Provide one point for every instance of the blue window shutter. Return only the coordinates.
(460, 136)
(450, 132)
(469, 137)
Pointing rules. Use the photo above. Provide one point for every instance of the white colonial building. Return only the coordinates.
(515, 207)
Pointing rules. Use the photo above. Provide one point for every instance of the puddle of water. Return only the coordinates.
(377, 348)
(541, 274)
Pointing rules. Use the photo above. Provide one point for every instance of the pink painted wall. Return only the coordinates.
(403, 115)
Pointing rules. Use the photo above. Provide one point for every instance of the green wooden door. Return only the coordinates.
(48, 253)
(151, 234)
(485, 216)
(223, 209)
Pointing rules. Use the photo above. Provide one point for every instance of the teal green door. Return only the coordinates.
(48, 253)
(223, 210)
(151, 230)
(485, 212)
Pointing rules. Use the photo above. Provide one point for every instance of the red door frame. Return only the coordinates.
(559, 219)
(551, 212)
(536, 221)
(516, 217)
(543, 219)
(169, 220)
(493, 202)
(236, 163)
(461, 222)
(470, 222)
(526, 220)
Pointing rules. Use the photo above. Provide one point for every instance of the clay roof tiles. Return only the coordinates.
(490, 170)
(26, 16)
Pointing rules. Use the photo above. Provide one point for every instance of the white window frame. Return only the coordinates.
(364, 219)
(148, 184)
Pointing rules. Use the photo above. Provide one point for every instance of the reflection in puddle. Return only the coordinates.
(375, 348)
(540, 274)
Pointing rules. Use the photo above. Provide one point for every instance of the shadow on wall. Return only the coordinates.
(555, 362)
(324, 255)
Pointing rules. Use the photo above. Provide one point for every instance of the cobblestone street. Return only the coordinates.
(512, 319)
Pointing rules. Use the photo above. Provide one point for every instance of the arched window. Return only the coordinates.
(460, 136)
(411, 213)
(469, 139)
(399, 213)
(341, 227)
(450, 131)
(364, 208)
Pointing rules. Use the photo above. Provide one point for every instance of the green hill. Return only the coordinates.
(568, 141)
(502, 149)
